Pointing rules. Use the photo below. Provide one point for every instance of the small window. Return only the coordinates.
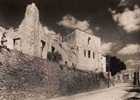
(85, 53)
(93, 55)
(15, 40)
(17, 43)
(89, 53)
(89, 40)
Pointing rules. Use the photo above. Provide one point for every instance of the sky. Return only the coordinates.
(117, 22)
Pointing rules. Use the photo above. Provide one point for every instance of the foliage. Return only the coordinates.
(114, 64)
(54, 56)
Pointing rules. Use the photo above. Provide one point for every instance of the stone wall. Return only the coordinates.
(23, 73)
(76, 81)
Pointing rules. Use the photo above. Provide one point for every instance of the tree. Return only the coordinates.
(114, 64)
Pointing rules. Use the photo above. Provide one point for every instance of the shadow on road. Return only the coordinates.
(133, 98)
(133, 94)
(134, 90)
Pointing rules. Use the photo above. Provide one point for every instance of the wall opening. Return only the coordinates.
(89, 38)
(17, 43)
(93, 55)
(53, 49)
(43, 43)
(89, 53)
(3, 39)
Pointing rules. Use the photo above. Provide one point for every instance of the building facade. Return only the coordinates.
(85, 51)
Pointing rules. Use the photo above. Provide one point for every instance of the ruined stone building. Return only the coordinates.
(85, 50)
(79, 49)
(30, 37)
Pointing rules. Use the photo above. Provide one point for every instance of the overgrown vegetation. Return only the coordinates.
(54, 56)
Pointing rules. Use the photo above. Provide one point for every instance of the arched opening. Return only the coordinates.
(89, 38)
(43, 43)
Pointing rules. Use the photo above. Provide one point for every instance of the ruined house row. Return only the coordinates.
(78, 49)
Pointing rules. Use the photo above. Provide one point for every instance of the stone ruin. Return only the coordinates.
(78, 49)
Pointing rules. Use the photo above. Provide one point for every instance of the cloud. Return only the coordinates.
(106, 47)
(71, 22)
(130, 49)
(124, 2)
(129, 19)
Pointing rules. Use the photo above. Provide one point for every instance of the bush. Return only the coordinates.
(54, 56)
(50, 56)
(57, 57)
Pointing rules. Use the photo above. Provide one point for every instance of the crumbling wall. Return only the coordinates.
(22, 73)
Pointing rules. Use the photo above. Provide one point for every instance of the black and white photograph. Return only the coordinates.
(69, 49)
